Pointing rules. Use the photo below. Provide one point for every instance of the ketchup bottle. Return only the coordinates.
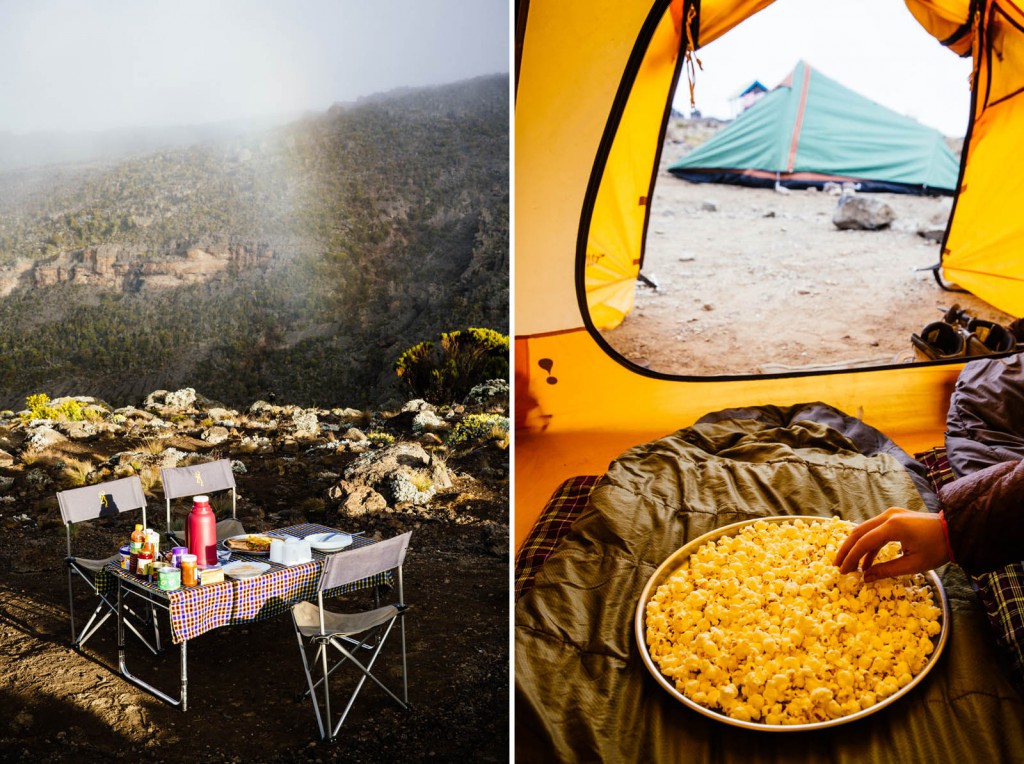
(145, 562)
(201, 531)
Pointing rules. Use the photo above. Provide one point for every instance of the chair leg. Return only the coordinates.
(365, 670)
(89, 629)
(327, 690)
(71, 606)
(309, 682)
(405, 672)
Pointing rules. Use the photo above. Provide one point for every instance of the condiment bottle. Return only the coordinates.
(146, 559)
(138, 536)
(201, 531)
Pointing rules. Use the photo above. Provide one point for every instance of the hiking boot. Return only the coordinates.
(957, 315)
(988, 337)
(1016, 328)
(939, 341)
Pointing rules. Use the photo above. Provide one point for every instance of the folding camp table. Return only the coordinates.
(195, 610)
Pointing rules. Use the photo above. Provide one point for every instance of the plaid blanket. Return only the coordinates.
(555, 520)
(196, 610)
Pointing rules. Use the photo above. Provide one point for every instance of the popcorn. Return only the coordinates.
(761, 626)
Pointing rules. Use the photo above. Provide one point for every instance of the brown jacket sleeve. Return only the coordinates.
(984, 514)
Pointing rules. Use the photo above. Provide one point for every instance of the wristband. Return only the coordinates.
(945, 533)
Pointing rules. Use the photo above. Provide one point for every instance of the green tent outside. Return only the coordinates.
(810, 130)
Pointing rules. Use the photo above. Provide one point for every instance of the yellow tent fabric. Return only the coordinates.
(949, 21)
(594, 85)
(983, 250)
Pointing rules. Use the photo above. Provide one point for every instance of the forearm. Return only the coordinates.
(984, 515)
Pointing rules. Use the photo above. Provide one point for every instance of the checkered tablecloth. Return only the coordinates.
(196, 610)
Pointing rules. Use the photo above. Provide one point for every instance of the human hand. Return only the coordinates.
(920, 534)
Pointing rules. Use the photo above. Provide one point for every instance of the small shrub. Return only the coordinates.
(154, 446)
(480, 427)
(40, 407)
(150, 479)
(311, 506)
(420, 481)
(447, 371)
(75, 473)
(380, 439)
(94, 414)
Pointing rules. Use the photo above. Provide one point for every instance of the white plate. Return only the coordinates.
(676, 559)
(242, 551)
(329, 542)
(245, 569)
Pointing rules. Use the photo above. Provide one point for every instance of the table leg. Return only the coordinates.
(184, 676)
(123, 664)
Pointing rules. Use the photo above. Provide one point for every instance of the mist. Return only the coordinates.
(73, 67)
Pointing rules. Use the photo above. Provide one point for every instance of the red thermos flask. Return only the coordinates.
(201, 531)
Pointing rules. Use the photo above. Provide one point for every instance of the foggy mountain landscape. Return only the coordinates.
(298, 260)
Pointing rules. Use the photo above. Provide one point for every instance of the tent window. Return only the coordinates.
(796, 237)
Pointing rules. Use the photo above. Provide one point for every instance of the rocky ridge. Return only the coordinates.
(354, 463)
(119, 268)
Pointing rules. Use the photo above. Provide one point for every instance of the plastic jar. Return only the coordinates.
(189, 572)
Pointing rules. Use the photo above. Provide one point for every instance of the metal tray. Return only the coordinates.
(675, 560)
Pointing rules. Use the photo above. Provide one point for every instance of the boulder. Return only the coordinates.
(81, 430)
(428, 421)
(348, 414)
(490, 392)
(42, 437)
(223, 416)
(494, 537)
(262, 408)
(934, 229)
(164, 401)
(215, 435)
(417, 404)
(306, 422)
(402, 473)
(181, 399)
(862, 213)
(354, 434)
(356, 499)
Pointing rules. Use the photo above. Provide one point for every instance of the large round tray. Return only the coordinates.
(675, 560)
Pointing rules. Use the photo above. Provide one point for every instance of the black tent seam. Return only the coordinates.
(611, 129)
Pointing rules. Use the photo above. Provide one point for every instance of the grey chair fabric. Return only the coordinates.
(108, 499)
(307, 620)
(197, 479)
(351, 633)
(102, 500)
(366, 561)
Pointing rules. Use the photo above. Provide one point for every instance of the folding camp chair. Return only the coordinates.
(327, 629)
(196, 479)
(88, 503)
